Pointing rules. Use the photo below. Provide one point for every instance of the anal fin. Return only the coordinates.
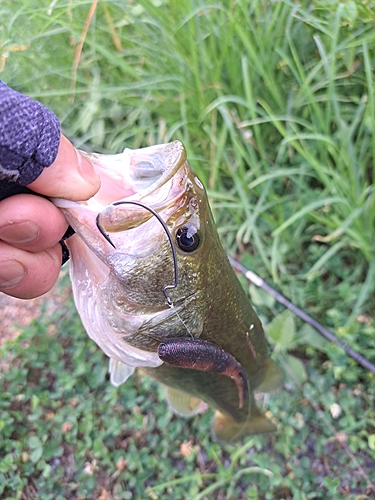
(183, 404)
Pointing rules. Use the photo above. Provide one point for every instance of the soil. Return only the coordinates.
(16, 314)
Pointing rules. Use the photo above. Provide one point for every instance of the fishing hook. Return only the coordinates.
(166, 229)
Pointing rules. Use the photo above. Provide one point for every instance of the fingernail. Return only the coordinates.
(20, 233)
(11, 273)
(87, 170)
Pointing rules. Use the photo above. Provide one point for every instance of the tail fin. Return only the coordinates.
(228, 430)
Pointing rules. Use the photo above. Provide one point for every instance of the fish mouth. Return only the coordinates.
(156, 176)
(137, 174)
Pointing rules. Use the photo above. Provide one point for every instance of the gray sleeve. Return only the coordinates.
(29, 140)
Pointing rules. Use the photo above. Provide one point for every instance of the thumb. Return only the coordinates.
(70, 176)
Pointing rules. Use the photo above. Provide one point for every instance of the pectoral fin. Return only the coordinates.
(228, 430)
(183, 404)
(119, 372)
(273, 377)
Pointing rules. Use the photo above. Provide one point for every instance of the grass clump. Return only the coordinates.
(275, 103)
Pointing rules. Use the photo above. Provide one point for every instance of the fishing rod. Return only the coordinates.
(259, 282)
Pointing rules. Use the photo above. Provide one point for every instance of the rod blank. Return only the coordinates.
(259, 282)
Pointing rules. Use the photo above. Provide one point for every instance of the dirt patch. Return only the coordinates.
(16, 314)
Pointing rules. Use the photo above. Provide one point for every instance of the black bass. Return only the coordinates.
(155, 290)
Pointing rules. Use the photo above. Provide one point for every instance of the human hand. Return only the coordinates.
(31, 226)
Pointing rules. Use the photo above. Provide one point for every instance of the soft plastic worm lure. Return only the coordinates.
(202, 355)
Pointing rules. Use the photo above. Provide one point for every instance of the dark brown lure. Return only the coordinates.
(197, 354)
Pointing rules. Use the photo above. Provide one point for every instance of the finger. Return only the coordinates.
(70, 176)
(27, 275)
(31, 222)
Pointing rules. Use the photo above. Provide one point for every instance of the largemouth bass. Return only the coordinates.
(155, 290)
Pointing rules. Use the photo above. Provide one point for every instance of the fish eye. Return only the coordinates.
(185, 242)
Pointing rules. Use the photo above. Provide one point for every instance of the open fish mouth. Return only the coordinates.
(156, 175)
(137, 173)
(147, 171)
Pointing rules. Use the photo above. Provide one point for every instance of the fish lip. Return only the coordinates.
(142, 171)
(174, 156)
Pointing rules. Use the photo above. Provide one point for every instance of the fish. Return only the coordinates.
(155, 290)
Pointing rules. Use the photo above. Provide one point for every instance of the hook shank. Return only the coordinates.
(166, 229)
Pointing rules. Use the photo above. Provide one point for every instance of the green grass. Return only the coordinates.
(275, 103)
(65, 432)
